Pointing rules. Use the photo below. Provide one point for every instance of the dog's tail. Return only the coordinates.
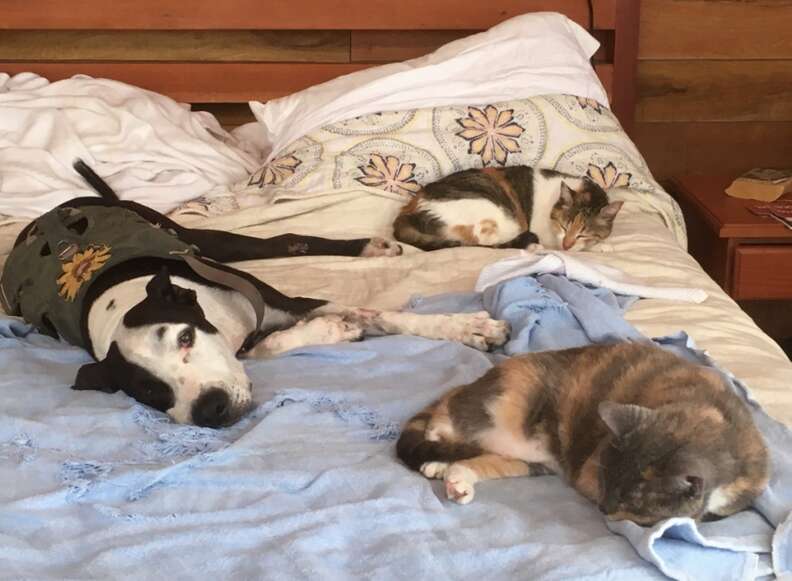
(97, 183)
(415, 450)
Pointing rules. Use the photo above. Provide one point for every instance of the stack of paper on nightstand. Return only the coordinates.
(780, 210)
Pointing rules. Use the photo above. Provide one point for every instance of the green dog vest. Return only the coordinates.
(47, 275)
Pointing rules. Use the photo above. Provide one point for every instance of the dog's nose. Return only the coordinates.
(212, 409)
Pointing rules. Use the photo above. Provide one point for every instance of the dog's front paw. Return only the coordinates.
(381, 247)
(480, 331)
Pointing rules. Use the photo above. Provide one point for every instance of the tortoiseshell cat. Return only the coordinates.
(634, 428)
(507, 208)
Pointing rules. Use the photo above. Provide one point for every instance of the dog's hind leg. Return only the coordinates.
(477, 330)
(230, 247)
(322, 330)
(331, 323)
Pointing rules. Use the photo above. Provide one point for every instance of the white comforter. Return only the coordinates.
(640, 245)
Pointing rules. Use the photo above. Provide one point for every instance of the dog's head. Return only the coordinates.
(167, 355)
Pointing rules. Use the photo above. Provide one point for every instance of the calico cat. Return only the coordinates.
(508, 207)
(634, 428)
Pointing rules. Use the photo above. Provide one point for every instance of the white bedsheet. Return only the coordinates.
(640, 245)
(147, 146)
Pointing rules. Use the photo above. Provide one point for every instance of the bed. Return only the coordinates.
(307, 486)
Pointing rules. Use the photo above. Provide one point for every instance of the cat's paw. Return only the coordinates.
(603, 247)
(460, 483)
(535, 248)
(381, 247)
(479, 330)
(434, 469)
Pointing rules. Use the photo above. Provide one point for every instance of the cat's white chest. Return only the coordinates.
(719, 499)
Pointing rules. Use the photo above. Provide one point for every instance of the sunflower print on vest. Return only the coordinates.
(80, 268)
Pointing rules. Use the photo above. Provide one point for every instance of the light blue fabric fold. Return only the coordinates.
(307, 485)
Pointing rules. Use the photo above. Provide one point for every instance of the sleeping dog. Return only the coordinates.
(166, 319)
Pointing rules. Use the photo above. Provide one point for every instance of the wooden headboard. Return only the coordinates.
(219, 52)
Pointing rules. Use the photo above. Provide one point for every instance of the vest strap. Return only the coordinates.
(246, 288)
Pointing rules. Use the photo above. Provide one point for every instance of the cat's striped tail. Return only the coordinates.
(415, 450)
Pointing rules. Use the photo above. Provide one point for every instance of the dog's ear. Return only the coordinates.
(184, 296)
(161, 288)
(99, 376)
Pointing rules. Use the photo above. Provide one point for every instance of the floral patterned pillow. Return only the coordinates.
(398, 151)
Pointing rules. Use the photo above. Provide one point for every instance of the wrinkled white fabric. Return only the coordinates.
(576, 267)
(147, 146)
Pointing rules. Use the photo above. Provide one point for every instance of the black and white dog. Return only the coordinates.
(171, 333)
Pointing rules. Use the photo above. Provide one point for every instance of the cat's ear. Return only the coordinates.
(623, 418)
(567, 194)
(609, 212)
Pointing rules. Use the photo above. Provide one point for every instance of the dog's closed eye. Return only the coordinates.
(186, 338)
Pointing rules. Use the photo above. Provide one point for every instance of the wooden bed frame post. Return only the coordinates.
(625, 62)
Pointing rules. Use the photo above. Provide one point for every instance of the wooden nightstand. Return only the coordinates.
(748, 255)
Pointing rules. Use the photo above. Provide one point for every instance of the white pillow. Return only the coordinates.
(533, 54)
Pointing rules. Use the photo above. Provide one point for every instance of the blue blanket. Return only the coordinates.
(307, 486)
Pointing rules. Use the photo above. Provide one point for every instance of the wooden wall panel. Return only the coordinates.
(714, 85)
(703, 90)
(159, 45)
(716, 29)
(713, 147)
(285, 14)
(382, 46)
(184, 82)
(230, 115)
